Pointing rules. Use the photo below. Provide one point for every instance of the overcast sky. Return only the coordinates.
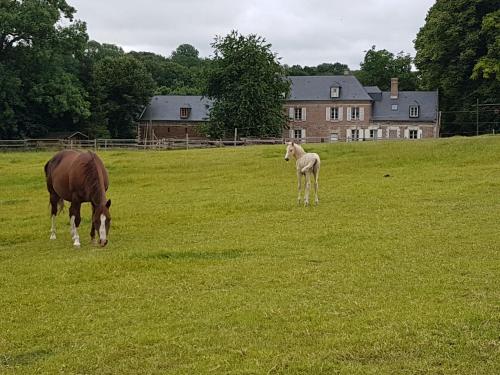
(306, 32)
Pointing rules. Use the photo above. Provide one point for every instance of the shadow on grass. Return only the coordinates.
(24, 359)
(189, 255)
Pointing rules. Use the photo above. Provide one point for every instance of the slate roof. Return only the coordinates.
(426, 100)
(318, 88)
(167, 108)
(374, 92)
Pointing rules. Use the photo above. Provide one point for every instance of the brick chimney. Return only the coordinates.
(394, 88)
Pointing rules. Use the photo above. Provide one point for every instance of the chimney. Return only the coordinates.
(394, 88)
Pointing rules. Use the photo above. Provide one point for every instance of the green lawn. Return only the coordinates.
(212, 268)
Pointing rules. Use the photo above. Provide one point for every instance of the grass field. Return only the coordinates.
(212, 268)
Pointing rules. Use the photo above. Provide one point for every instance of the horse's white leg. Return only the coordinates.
(299, 185)
(308, 187)
(53, 228)
(74, 232)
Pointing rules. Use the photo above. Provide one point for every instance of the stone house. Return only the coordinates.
(173, 116)
(332, 108)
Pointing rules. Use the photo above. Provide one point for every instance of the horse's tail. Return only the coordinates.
(46, 169)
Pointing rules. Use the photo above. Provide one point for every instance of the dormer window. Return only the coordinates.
(334, 92)
(185, 112)
(414, 111)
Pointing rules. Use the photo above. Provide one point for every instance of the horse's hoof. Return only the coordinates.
(76, 245)
(52, 236)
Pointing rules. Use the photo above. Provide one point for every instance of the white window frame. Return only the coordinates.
(295, 133)
(412, 133)
(334, 113)
(373, 134)
(355, 113)
(394, 107)
(414, 111)
(297, 114)
(334, 92)
(353, 136)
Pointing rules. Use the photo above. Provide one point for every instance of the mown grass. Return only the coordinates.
(212, 268)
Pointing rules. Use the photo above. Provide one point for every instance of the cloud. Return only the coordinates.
(305, 33)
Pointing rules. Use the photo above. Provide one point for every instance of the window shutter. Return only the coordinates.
(348, 113)
(362, 113)
(419, 134)
(291, 134)
(407, 133)
(379, 133)
(303, 134)
(341, 113)
(291, 113)
(348, 135)
(328, 113)
(304, 114)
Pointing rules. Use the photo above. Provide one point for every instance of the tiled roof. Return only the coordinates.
(167, 108)
(318, 88)
(426, 100)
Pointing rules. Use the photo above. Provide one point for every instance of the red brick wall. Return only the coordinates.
(166, 129)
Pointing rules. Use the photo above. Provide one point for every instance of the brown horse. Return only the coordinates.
(79, 177)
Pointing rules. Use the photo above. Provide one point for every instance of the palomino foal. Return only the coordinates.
(307, 163)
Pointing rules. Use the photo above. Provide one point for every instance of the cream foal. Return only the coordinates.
(306, 163)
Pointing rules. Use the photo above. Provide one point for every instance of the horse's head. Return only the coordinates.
(102, 220)
(290, 150)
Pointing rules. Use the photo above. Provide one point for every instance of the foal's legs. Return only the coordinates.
(74, 217)
(308, 187)
(54, 199)
(316, 177)
(299, 185)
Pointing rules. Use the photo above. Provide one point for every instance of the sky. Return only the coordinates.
(307, 32)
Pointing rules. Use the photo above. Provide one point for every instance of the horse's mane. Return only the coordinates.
(91, 176)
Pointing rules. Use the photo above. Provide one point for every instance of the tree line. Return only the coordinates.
(54, 79)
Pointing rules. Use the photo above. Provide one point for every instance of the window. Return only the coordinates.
(355, 134)
(414, 111)
(355, 113)
(297, 133)
(334, 115)
(373, 134)
(298, 113)
(394, 107)
(334, 92)
(184, 112)
(413, 134)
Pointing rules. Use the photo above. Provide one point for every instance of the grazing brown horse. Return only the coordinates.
(79, 177)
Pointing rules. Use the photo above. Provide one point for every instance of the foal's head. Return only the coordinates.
(102, 220)
(290, 150)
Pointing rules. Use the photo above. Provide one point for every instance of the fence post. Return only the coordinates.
(187, 141)
(95, 144)
(235, 135)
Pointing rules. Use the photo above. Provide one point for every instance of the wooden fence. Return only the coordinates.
(157, 144)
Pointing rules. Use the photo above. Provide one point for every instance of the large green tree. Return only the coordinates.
(248, 86)
(458, 52)
(122, 87)
(379, 66)
(40, 66)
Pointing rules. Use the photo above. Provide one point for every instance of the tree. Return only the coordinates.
(186, 55)
(122, 87)
(457, 52)
(248, 87)
(379, 66)
(40, 66)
